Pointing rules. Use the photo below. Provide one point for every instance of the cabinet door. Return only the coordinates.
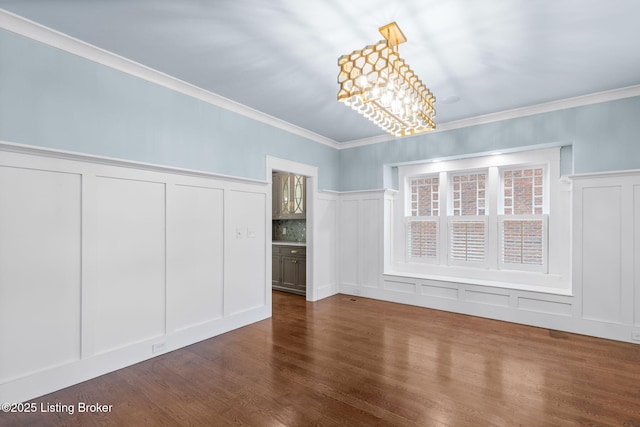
(276, 270)
(289, 198)
(302, 274)
(276, 195)
(294, 273)
(290, 272)
(298, 196)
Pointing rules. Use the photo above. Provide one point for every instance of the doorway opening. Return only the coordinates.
(290, 222)
(289, 232)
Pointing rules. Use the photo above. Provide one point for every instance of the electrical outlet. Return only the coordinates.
(158, 347)
(357, 291)
(284, 231)
(238, 233)
(635, 335)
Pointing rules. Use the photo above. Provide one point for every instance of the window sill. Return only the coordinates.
(554, 284)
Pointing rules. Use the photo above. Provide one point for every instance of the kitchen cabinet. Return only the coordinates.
(289, 269)
(289, 196)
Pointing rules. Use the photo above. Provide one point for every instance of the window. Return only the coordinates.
(484, 220)
(469, 194)
(422, 224)
(523, 227)
(467, 221)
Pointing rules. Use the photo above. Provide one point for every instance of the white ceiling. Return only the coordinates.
(280, 56)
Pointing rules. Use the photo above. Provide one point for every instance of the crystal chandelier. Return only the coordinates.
(378, 84)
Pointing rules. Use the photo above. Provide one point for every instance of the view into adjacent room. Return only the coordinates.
(289, 233)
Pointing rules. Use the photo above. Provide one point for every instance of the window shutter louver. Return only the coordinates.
(467, 241)
(422, 239)
(523, 241)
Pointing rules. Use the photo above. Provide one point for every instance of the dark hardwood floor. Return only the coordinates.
(356, 361)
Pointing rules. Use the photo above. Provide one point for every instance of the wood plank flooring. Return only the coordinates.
(355, 361)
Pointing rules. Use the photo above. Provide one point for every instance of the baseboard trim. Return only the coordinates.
(567, 323)
(44, 382)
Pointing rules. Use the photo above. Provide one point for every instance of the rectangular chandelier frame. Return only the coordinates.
(378, 84)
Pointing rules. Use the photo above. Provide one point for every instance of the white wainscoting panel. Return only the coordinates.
(544, 306)
(406, 287)
(361, 238)
(40, 246)
(370, 241)
(326, 244)
(444, 291)
(489, 298)
(130, 260)
(605, 268)
(244, 262)
(601, 245)
(195, 255)
(105, 263)
(349, 242)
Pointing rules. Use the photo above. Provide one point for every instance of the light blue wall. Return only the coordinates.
(54, 99)
(604, 137)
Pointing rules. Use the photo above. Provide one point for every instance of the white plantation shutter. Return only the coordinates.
(468, 218)
(422, 239)
(523, 242)
(486, 218)
(467, 240)
(422, 224)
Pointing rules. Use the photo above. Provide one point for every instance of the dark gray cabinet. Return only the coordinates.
(289, 269)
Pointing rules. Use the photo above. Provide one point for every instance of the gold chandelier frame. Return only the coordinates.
(378, 84)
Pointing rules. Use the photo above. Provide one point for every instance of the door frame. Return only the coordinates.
(311, 172)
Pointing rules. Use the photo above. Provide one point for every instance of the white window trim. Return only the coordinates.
(558, 248)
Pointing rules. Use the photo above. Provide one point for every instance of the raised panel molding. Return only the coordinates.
(605, 297)
(406, 287)
(39, 278)
(601, 251)
(195, 254)
(326, 243)
(245, 266)
(101, 264)
(490, 298)
(349, 242)
(606, 249)
(543, 306)
(369, 242)
(129, 253)
(361, 239)
(439, 291)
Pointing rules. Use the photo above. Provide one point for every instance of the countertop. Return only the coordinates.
(281, 243)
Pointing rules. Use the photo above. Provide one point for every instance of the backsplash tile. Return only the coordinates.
(296, 230)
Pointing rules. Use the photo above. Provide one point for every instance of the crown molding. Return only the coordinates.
(34, 31)
(563, 104)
